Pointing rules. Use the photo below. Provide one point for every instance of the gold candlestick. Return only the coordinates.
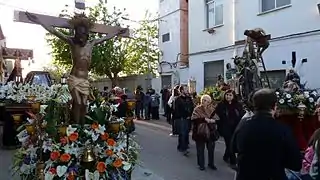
(40, 171)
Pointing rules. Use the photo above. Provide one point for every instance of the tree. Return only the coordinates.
(143, 48)
(55, 72)
(108, 58)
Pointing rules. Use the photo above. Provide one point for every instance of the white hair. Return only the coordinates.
(205, 96)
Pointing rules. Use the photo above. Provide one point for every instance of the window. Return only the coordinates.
(275, 77)
(214, 13)
(212, 70)
(166, 37)
(267, 5)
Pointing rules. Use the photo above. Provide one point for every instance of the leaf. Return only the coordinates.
(89, 118)
(20, 128)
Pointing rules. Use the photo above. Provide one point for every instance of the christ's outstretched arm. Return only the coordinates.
(109, 36)
(49, 28)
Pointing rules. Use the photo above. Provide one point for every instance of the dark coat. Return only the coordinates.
(230, 115)
(198, 137)
(265, 148)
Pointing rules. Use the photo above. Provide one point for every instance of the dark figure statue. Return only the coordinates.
(81, 49)
(293, 76)
(259, 37)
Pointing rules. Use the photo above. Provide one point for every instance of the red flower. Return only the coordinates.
(54, 155)
(65, 157)
(53, 170)
(73, 137)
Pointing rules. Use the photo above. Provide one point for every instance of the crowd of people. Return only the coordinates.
(257, 145)
(147, 103)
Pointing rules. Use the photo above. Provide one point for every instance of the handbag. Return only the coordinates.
(203, 130)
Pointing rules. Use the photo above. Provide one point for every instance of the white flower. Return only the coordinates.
(314, 93)
(70, 130)
(95, 136)
(306, 94)
(61, 170)
(100, 129)
(25, 169)
(48, 176)
(289, 100)
(47, 145)
(23, 136)
(93, 107)
(114, 107)
(126, 165)
(43, 109)
(311, 100)
(288, 96)
(91, 176)
(277, 93)
(30, 121)
(281, 101)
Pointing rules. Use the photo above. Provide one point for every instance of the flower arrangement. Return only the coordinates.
(291, 101)
(20, 92)
(215, 92)
(91, 152)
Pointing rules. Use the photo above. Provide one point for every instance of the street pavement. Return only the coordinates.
(159, 158)
(159, 155)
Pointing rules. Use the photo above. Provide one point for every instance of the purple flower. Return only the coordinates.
(73, 169)
(27, 160)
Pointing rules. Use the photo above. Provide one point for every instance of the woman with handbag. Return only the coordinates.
(204, 131)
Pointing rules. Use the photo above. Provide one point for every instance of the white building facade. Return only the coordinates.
(215, 27)
(173, 41)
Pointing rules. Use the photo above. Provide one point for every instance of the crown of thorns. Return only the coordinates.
(81, 20)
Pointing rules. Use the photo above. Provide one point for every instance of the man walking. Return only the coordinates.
(265, 147)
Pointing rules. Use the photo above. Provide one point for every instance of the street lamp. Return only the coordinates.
(149, 84)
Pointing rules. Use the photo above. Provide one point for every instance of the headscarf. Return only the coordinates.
(203, 112)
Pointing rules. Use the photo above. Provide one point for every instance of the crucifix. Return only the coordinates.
(81, 51)
(17, 55)
(12, 53)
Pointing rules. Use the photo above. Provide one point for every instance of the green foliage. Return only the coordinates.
(114, 56)
(144, 47)
(215, 93)
(55, 71)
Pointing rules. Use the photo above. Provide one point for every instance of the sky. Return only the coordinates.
(27, 36)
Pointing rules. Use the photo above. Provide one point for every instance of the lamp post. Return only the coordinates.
(149, 78)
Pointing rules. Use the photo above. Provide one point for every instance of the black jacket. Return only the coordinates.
(265, 148)
(182, 107)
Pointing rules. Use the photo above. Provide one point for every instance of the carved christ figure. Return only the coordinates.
(258, 36)
(81, 51)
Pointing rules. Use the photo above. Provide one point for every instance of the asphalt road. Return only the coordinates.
(159, 158)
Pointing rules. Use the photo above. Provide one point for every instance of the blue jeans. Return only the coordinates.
(183, 130)
(146, 112)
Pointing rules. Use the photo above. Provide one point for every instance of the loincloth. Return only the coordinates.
(82, 86)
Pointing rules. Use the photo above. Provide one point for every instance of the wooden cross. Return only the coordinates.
(20, 16)
(13, 53)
